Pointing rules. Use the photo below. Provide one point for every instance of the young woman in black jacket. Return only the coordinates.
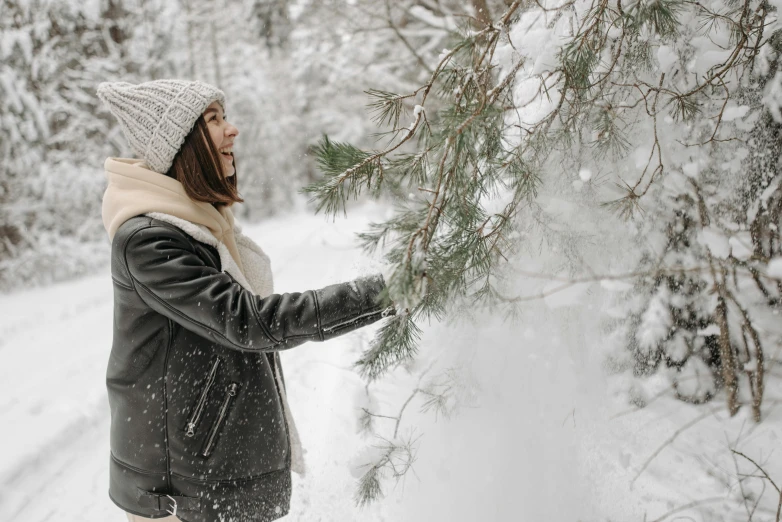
(201, 430)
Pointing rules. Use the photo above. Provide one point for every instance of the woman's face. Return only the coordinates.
(223, 135)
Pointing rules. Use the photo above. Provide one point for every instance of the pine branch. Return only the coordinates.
(395, 343)
(740, 454)
(334, 158)
(397, 457)
(387, 107)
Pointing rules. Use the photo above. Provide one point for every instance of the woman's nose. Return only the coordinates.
(231, 131)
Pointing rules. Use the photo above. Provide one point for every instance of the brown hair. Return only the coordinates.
(199, 168)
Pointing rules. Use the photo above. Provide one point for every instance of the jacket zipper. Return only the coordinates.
(353, 320)
(210, 440)
(199, 409)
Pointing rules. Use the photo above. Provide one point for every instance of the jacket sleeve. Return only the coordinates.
(174, 280)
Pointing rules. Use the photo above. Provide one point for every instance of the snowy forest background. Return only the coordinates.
(576, 202)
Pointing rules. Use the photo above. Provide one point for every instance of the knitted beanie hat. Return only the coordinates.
(157, 116)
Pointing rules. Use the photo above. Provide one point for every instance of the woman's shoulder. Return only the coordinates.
(141, 238)
(151, 225)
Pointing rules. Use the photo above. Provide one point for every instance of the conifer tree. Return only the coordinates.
(52, 54)
(660, 99)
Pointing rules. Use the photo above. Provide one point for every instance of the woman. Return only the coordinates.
(200, 426)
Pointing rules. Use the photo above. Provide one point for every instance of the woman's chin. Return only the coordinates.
(228, 166)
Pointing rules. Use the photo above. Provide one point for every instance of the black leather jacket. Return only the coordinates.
(196, 415)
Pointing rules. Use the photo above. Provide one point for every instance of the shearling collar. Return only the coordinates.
(134, 189)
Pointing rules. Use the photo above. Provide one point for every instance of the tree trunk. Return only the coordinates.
(215, 55)
(190, 52)
(727, 361)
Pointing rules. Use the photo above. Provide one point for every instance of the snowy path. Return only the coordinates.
(542, 440)
(55, 343)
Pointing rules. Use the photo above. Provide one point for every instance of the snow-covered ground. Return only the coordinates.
(543, 434)
(55, 344)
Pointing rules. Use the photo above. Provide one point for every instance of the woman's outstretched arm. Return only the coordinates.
(173, 280)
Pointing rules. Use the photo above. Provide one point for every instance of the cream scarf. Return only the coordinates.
(133, 190)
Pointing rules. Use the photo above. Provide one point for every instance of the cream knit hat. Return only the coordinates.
(157, 116)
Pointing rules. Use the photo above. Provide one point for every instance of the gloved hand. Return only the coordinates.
(385, 273)
(389, 307)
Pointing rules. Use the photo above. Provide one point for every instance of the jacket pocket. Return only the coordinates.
(230, 394)
(198, 410)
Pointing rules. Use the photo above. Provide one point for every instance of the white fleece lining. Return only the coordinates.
(259, 281)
